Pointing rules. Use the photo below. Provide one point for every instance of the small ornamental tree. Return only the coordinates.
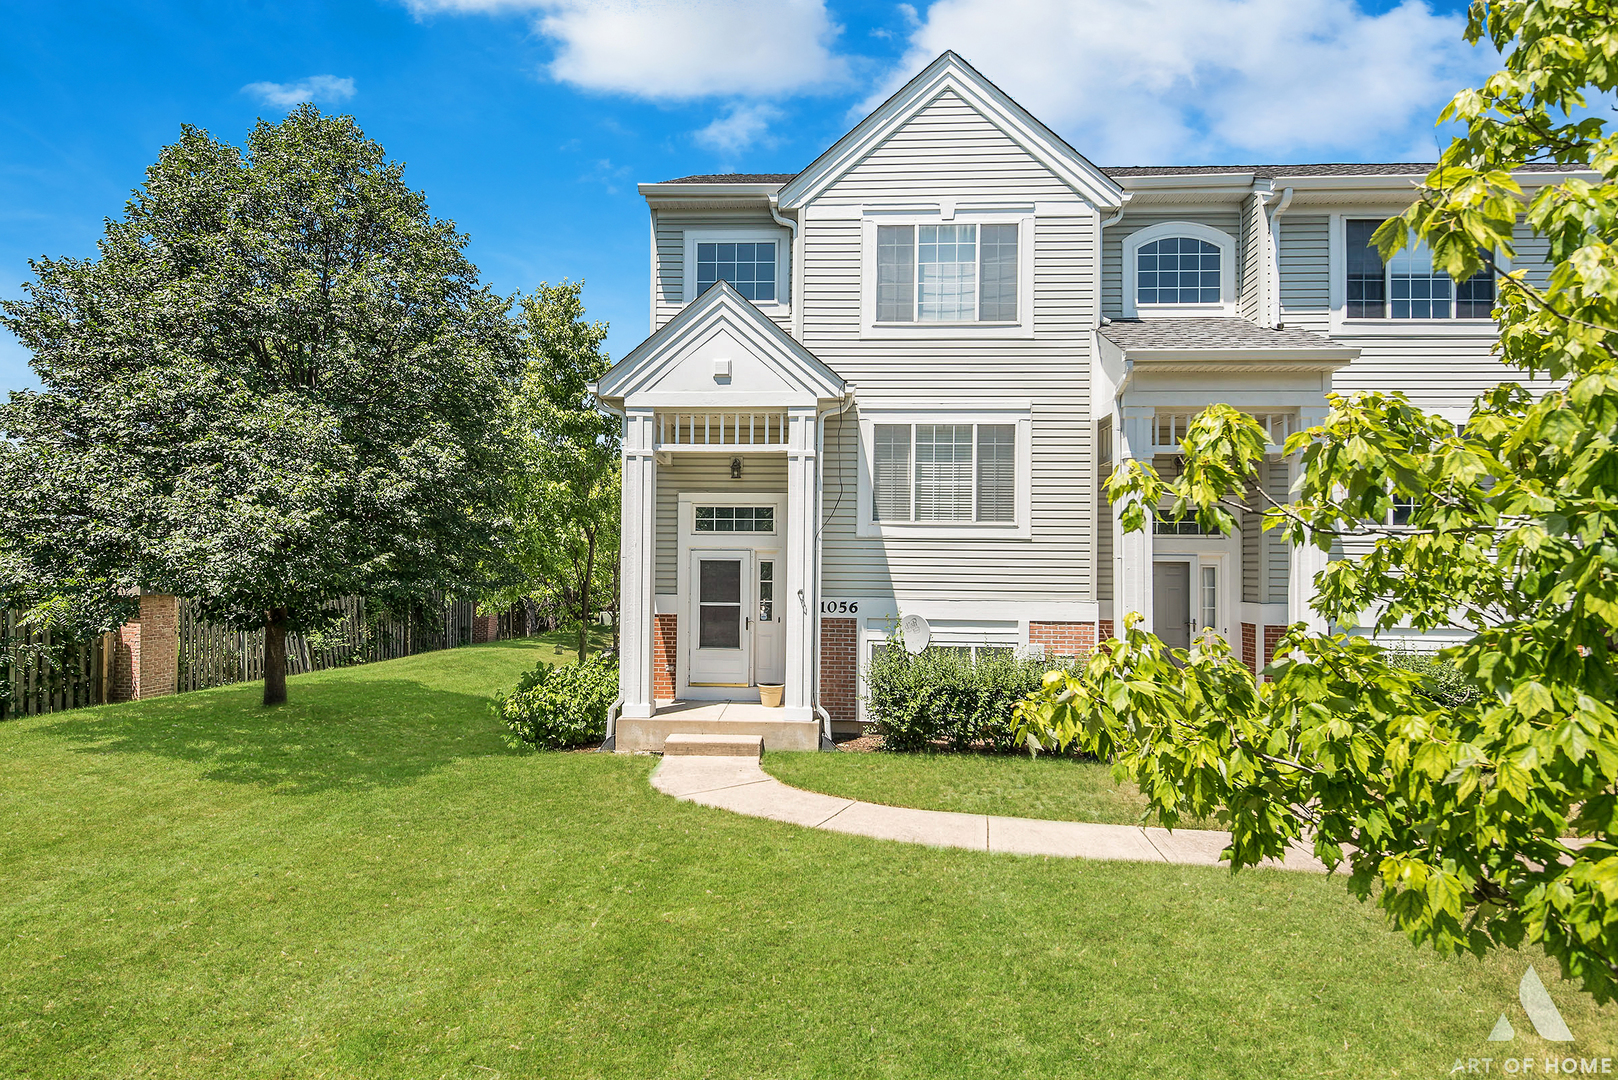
(564, 535)
(279, 383)
(1458, 813)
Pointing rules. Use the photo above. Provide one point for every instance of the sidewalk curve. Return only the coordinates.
(741, 785)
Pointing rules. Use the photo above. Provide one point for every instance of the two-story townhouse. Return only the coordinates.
(892, 384)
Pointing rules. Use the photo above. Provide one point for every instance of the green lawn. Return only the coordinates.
(367, 883)
(1059, 789)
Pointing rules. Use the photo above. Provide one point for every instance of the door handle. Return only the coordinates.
(749, 620)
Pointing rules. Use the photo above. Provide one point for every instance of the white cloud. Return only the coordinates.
(678, 49)
(740, 128)
(1163, 81)
(316, 88)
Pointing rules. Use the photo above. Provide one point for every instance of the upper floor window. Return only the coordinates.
(1408, 286)
(946, 273)
(750, 267)
(944, 472)
(1177, 270)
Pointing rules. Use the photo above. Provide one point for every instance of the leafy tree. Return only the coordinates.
(1452, 812)
(279, 383)
(566, 494)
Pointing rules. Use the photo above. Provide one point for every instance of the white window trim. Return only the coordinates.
(1016, 529)
(1342, 326)
(870, 329)
(741, 235)
(1220, 239)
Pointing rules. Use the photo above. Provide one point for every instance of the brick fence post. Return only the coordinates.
(485, 628)
(147, 660)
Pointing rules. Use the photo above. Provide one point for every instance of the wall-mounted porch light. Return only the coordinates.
(735, 468)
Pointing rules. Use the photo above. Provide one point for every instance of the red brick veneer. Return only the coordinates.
(1063, 638)
(665, 629)
(839, 655)
(147, 663)
(1250, 646)
(1272, 638)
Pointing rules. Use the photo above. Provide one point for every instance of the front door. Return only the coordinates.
(722, 612)
(1171, 603)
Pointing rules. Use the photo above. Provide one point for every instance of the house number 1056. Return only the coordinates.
(839, 607)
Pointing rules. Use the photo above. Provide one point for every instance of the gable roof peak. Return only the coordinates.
(949, 70)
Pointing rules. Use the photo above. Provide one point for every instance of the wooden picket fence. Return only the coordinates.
(215, 655)
(42, 672)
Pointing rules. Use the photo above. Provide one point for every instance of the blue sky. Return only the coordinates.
(529, 122)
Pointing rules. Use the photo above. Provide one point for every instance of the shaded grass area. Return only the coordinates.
(1057, 789)
(367, 883)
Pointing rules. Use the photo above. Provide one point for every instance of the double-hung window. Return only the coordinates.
(946, 274)
(944, 472)
(1409, 286)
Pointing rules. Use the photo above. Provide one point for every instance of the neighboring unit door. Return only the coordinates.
(1171, 603)
(721, 610)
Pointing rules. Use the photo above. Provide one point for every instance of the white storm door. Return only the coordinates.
(722, 618)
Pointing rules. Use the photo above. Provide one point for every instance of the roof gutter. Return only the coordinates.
(796, 284)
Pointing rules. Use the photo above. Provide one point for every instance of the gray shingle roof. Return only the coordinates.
(734, 178)
(1208, 333)
(1270, 172)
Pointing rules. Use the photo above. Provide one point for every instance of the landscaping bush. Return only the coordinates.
(945, 696)
(554, 708)
(1441, 680)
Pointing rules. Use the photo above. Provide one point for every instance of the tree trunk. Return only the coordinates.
(275, 657)
(584, 597)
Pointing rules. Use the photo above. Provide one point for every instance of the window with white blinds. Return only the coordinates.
(946, 273)
(944, 472)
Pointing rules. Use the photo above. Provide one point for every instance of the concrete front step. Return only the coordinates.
(649, 734)
(751, 746)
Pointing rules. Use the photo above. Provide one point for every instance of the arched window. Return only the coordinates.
(1177, 270)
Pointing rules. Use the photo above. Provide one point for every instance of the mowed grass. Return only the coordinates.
(1058, 789)
(368, 883)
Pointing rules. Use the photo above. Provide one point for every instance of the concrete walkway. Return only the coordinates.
(738, 783)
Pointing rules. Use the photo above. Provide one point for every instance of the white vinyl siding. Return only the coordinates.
(1305, 272)
(1250, 268)
(1277, 552)
(669, 282)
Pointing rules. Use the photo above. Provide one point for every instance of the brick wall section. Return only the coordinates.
(665, 630)
(1104, 630)
(1250, 647)
(146, 663)
(1063, 638)
(839, 653)
(1272, 638)
(485, 628)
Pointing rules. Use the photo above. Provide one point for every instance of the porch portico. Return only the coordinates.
(1163, 372)
(720, 538)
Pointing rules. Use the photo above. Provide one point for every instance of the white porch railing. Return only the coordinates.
(1169, 428)
(721, 430)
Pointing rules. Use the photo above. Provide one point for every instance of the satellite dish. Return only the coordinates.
(915, 632)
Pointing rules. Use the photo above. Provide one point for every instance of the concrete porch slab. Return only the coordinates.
(728, 719)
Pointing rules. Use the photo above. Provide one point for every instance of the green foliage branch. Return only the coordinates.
(556, 708)
(1458, 812)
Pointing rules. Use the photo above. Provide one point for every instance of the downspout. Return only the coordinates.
(796, 284)
(820, 509)
(1102, 226)
(1273, 270)
(651, 317)
(610, 742)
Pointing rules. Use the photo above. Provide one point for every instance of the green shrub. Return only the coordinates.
(554, 708)
(1441, 680)
(943, 695)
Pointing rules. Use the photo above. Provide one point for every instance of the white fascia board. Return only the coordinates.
(1322, 357)
(680, 191)
(950, 72)
(1234, 182)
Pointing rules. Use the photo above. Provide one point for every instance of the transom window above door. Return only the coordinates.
(961, 273)
(735, 519)
(749, 267)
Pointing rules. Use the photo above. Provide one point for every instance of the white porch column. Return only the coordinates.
(802, 599)
(638, 552)
(1132, 587)
(1306, 560)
